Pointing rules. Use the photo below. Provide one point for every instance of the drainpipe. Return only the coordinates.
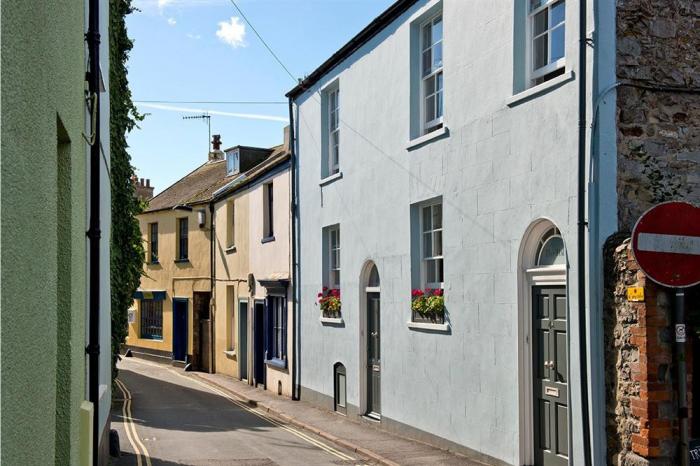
(212, 287)
(582, 225)
(295, 286)
(93, 348)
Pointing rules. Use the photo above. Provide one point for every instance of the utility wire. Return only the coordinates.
(222, 102)
(263, 41)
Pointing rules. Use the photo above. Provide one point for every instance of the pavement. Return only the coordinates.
(227, 411)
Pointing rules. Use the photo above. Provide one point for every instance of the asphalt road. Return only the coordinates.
(165, 418)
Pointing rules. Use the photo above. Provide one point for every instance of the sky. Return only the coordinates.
(203, 50)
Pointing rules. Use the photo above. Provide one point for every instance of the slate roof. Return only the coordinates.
(194, 188)
(199, 186)
(279, 155)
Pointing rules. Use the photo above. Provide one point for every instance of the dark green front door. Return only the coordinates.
(373, 356)
(550, 371)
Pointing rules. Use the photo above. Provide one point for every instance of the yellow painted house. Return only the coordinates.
(252, 263)
(171, 317)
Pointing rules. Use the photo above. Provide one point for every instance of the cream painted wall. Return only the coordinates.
(177, 279)
(263, 260)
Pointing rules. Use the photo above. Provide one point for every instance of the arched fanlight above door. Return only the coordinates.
(551, 250)
(373, 281)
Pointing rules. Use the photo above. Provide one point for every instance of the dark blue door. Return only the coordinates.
(179, 329)
(259, 343)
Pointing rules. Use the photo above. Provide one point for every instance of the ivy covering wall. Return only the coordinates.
(127, 251)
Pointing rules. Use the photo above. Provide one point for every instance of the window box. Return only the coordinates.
(329, 301)
(428, 306)
(331, 321)
(429, 327)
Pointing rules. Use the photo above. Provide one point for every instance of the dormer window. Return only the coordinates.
(233, 162)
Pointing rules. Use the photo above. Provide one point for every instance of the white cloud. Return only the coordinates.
(247, 116)
(164, 3)
(193, 36)
(232, 32)
(172, 21)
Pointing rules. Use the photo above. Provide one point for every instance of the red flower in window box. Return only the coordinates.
(329, 301)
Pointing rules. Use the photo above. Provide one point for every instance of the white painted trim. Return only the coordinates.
(372, 289)
(442, 328)
(331, 320)
(530, 275)
(329, 179)
(230, 353)
(413, 143)
(539, 89)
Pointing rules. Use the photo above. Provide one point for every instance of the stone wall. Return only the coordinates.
(658, 135)
(642, 425)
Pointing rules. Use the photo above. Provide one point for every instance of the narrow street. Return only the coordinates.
(166, 418)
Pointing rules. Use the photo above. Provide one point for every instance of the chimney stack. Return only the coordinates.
(142, 188)
(216, 153)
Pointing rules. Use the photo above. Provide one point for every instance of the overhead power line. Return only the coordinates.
(217, 102)
(269, 49)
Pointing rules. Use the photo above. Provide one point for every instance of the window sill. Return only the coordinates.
(230, 354)
(154, 263)
(267, 239)
(331, 178)
(276, 363)
(539, 89)
(157, 340)
(337, 321)
(230, 250)
(182, 261)
(436, 328)
(419, 141)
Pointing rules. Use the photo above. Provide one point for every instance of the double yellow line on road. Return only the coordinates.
(139, 448)
(257, 412)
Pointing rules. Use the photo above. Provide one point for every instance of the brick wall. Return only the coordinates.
(642, 418)
(658, 135)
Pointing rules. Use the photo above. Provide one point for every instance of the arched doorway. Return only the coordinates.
(370, 336)
(543, 346)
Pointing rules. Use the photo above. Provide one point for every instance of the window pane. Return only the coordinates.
(557, 44)
(437, 30)
(427, 62)
(540, 22)
(557, 12)
(534, 4)
(437, 243)
(540, 52)
(427, 245)
(430, 109)
(336, 259)
(427, 220)
(437, 56)
(430, 271)
(437, 216)
(439, 271)
(427, 36)
(438, 111)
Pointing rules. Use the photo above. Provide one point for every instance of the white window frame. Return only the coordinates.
(333, 272)
(233, 162)
(333, 131)
(534, 74)
(434, 124)
(230, 224)
(423, 232)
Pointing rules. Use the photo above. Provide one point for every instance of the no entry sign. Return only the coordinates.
(666, 244)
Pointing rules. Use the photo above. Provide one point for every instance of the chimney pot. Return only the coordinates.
(148, 183)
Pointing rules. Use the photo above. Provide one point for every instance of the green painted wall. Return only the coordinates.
(43, 204)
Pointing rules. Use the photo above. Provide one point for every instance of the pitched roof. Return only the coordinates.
(194, 188)
(232, 184)
(364, 36)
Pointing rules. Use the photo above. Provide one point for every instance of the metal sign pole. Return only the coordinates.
(679, 311)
